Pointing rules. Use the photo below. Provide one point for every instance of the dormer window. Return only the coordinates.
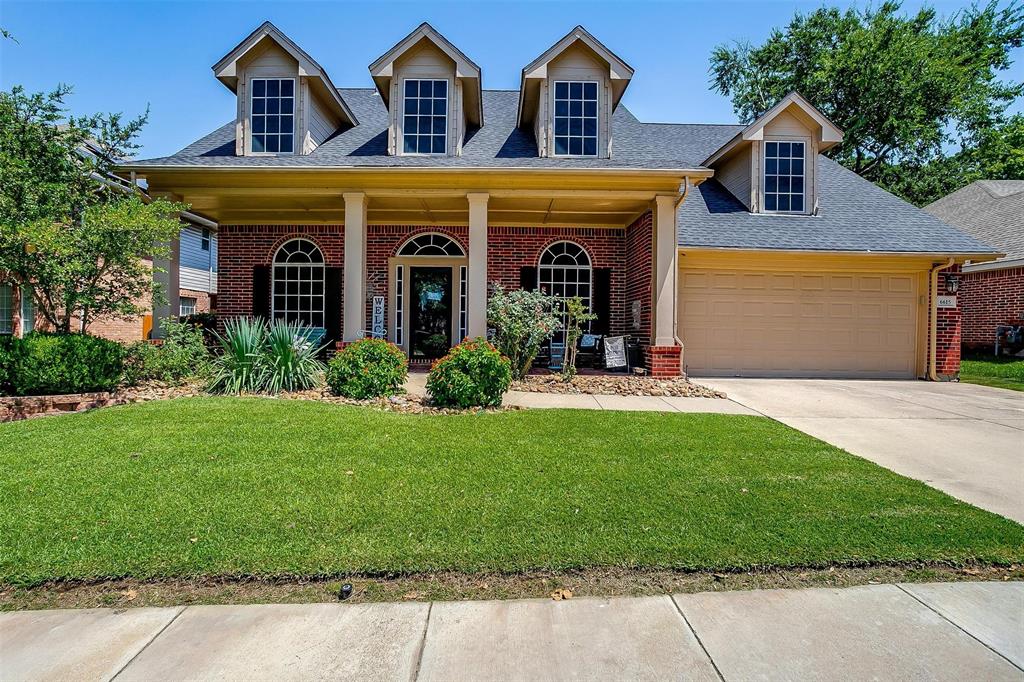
(784, 177)
(575, 109)
(425, 123)
(273, 115)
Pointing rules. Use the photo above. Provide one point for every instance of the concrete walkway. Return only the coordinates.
(416, 385)
(905, 632)
(963, 439)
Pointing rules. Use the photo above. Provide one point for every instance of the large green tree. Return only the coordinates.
(904, 88)
(68, 230)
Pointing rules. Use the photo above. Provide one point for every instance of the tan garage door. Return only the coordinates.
(798, 324)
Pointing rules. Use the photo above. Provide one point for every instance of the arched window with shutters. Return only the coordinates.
(298, 283)
(564, 270)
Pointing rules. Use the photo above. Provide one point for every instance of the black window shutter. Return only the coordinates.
(261, 291)
(601, 303)
(528, 278)
(332, 304)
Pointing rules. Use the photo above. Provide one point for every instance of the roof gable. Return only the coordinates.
(226, 69)
(830, 134)
(382, 68)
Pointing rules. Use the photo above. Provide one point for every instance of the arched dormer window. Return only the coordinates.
(298, 284)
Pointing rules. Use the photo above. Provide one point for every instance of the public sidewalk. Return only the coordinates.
(416, 385)
(954, 631)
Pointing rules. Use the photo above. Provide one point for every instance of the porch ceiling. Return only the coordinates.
(587, 200)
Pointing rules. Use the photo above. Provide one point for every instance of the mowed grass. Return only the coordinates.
(999, 372)
(231, 487)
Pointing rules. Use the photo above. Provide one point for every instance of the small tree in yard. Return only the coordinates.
(522, 321)
(575, 315)
(74, 240)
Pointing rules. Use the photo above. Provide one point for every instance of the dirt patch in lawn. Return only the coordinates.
(449, 586)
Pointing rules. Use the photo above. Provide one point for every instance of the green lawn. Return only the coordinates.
(225, 486)
(993, 371)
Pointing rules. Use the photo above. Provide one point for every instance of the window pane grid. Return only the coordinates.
(784, 177)
(425, 117)
(431, 245)
(399, 305)
(28, 311)
(299, 283)
(6, 309)
(575, 118)
(565, 272)
(273, 115)
(463, 303)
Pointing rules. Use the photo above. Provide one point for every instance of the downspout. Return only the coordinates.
(933, 323)
(675, 272)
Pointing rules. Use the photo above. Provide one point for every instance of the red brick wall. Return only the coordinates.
(663, 361)
(947, 349)
(990, 298)
(241, 247)
(639, 259)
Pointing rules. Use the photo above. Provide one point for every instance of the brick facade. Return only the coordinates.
(990, 298)
(947, 349)
(204, 301)
(639, 279)
(242, 247)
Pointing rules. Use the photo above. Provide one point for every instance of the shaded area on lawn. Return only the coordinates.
(229, 486)
(1000, 372)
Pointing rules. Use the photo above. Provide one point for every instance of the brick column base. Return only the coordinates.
(663, 361)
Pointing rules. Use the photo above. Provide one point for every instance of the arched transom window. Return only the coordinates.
(431, 245)
(299, 283)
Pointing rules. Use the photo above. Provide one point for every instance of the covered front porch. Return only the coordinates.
(410, 256)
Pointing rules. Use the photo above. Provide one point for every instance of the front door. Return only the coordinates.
(430, 318)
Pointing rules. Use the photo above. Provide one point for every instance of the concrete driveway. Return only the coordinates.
(963, 439)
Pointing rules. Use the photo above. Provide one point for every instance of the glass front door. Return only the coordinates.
(430, 318)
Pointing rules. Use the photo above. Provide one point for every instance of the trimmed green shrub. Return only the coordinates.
(369, 368)
(52, 364)
(182, 355)
(473, 374)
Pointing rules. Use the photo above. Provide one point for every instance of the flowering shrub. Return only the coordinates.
(369, 368)
(522, 321)
(473, 374)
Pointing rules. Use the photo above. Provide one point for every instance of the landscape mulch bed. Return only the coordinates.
(612, 384)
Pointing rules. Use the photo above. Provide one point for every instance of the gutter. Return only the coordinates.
(933, 323)
(675, 275)
(629, 170)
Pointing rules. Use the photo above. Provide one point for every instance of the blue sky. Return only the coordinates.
(121, 56)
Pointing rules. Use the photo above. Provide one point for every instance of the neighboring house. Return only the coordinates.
(992, 293)
(196, 270)
(720, 249)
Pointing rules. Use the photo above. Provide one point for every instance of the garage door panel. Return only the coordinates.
(751, 323)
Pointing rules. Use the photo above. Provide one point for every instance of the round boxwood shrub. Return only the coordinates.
(473, 374)
(52, 364)
(369, 368)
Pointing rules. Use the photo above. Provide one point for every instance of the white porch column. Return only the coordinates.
(665, 263)
(477, 275)
(354, 319)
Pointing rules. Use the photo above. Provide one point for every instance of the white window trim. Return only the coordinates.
(806, 142)
(295, 116)
(28, 311)
(181, 305)
(323, 280)
(597, 146)
(588, 300)
(447, 117)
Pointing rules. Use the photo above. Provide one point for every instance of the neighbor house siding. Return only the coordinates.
(990, 298)
(198, 268)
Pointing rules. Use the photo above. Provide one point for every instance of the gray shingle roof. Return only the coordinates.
(854, 215)
(498, 143)
(990, 210)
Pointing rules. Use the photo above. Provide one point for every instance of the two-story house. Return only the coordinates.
(722, 249)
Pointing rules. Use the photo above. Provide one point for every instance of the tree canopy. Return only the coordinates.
(68, 231)
(905, 89)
